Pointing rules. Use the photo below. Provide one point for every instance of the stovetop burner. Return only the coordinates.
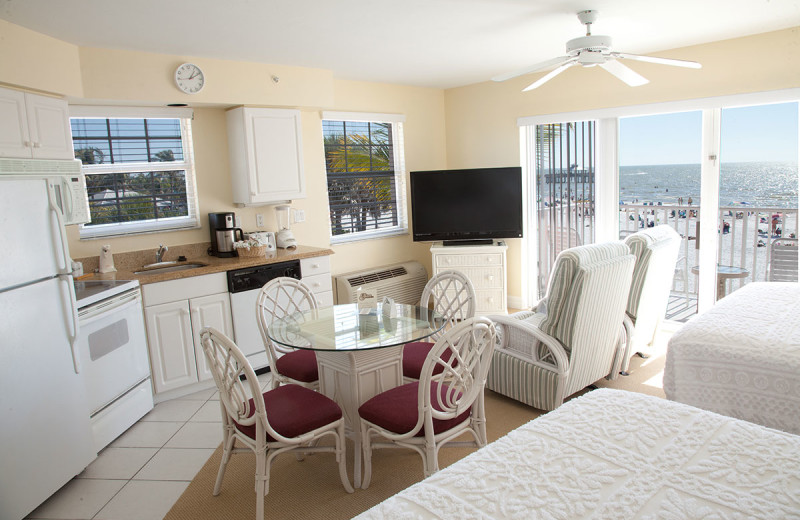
(88, 292)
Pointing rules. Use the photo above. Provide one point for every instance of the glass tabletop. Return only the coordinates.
(346, 327)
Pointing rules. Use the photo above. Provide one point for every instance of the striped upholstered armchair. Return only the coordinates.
(573, 337)
(656, 251)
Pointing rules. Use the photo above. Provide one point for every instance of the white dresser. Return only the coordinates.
(485, 266)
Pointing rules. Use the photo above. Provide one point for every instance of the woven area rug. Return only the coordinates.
(311, 489)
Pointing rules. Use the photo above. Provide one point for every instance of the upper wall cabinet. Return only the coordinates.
(266, 155)
(33, 126)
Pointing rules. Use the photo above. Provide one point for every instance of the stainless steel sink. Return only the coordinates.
(168, 267)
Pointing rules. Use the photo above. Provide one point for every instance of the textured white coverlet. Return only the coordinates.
(741, 358)
(612, 454)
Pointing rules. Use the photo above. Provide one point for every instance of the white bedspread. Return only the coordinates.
(742, 357)
(612, 454)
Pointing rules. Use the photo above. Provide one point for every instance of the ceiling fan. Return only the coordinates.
(590, 51)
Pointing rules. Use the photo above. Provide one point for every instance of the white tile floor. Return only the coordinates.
(143, 472)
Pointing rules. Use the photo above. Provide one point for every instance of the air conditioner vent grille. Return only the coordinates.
(377, 276)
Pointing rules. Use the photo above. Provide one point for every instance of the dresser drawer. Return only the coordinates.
(456, 261)
(490, 301)
(314, 266)
(319, 283)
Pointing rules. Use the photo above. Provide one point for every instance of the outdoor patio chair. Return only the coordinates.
(782, 260)
(573, 337)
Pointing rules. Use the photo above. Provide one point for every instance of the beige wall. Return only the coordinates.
(481, 119)
(104, 76)
(471, 126)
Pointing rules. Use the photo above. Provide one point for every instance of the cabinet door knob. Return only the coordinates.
(37, 145)
(490, 277)
(314, 266)
(27, 144)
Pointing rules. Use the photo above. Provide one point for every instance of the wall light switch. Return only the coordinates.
(259, 220)
(299, 215)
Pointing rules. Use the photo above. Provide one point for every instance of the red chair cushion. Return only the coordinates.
(293, 410)
(414, 355)
(396, 410)
(300, 365)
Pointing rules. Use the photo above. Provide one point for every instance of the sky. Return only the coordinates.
(759, 133)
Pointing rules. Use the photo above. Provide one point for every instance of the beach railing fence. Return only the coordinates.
(745, 234)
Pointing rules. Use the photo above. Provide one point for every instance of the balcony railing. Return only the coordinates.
(745, 235)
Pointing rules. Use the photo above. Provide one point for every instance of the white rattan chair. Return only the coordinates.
(289, 418)
(574, 336)
(446, 402)
(452, 295)
(278, 298)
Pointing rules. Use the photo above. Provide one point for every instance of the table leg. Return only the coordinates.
(351, 378)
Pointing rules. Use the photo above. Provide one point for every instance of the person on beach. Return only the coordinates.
(690, 201)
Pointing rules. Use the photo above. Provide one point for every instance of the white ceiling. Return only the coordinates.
(434, 43)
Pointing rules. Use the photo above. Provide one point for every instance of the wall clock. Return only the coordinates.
(189, 78)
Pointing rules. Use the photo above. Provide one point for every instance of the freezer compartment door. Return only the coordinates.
(46, 436)
(31, 234)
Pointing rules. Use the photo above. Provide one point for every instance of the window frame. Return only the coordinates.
(399, 172)
(191, 220)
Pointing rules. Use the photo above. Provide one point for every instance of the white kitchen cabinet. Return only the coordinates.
(34, 126)
(266, 155)
(485, 266)
(175, 313)
(316, 273)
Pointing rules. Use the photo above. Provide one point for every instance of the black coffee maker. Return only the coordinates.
(223, 234)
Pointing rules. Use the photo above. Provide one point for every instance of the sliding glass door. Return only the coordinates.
(565, 187)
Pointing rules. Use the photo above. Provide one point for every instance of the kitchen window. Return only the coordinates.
(366, 175)
(139, 169)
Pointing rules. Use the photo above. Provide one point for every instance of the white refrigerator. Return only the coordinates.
(45, 437)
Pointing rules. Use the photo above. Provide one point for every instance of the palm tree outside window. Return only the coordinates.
(365, 173)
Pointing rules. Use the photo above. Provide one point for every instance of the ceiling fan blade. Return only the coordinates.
(624, 73)
(550, 75)
(660, 61)
(533, 68)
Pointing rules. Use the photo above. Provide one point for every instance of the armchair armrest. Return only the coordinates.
(553, 349)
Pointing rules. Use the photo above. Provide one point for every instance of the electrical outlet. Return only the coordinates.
(259, 220)
(299, 215)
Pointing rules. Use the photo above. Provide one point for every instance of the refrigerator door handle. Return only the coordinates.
(73, 335)
(66, 276)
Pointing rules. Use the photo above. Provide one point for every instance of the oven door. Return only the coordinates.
(113, 348)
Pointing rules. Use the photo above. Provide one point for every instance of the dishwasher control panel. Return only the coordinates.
(250, 278)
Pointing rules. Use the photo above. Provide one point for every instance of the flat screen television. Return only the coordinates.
(471, 206)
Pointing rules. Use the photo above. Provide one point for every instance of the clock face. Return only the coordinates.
(189, 78)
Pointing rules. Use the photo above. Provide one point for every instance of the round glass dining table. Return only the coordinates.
(359, 351)
(348, 328)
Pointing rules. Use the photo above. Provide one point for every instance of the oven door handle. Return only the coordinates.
(103, 312)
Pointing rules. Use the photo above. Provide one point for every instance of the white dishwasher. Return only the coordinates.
(244, 284)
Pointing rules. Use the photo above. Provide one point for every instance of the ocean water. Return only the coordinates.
(763, 184)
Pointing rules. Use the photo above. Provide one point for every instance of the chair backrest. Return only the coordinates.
(566, 285)
(451, 294)
(471, 344)
(783, 260)
(278, 298)
(656, 250)
(240, 396)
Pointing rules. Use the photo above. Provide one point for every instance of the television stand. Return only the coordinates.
(484, 265)
(469, 242)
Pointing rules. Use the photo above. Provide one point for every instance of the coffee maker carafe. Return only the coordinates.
(223, 234)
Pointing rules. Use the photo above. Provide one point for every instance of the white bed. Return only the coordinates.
(742, 357)
(612, 454)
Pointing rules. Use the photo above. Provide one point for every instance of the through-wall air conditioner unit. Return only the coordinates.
(401, 282)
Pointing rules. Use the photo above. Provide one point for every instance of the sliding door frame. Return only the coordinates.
(607, 174)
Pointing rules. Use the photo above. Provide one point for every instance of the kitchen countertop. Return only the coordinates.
(127, 263)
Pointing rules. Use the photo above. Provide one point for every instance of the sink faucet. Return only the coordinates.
(160, 253)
